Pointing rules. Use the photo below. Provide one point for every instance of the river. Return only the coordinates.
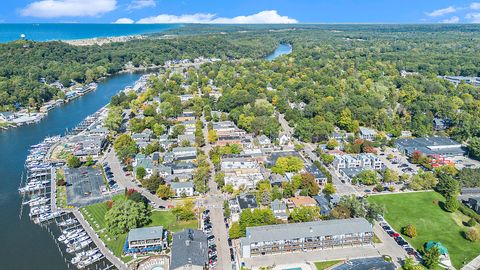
(25, 245)
(279, 51)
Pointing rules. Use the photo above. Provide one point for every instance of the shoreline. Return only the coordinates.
(103, 40)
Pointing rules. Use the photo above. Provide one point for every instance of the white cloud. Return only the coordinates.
(68, 8)
(267, 16)
(453, 19)
(475, 5)
(124, 21)
(186, 18)
(138, 4)
(441, 12)
(473, 17)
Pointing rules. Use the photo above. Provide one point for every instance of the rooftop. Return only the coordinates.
(189, 247)
(146, 233)
(306, 229)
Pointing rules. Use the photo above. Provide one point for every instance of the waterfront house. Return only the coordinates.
(146, 239)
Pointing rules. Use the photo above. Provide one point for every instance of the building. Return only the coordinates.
(186, 116)
(301, 201)
(323, 203)
(306, 236)
(431, 146)
(320, 177)
(183, 167)
(184, 153)
(189, 250)
(440, 124)
(6, 116)
(367, 134)
(347, 174)
(182, 189)
(240, 203)
(240, 171)
(279, 209)
(364, 160)
(88, 145)
(145, 240)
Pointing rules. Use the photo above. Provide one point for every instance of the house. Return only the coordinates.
(272, 159)
(279, 209)
(305, 236)
(184, 153)
(277, 179)
(320, 177)
(186, 116)
(88, 145)
(264, 140)
(440, 124)
(227, 140)
(247, 201)
(283, 139)
(163, 170)
(146, 239)
(364, 160)
(185, 98)
(367, 134)
(431, 146)
(6, 116)
(300, 201)
(323, 203)
(183, 167)
(347, 174)
(182, 189)
(189, 250)
(190, 138)
(143, 161)
(179, 177)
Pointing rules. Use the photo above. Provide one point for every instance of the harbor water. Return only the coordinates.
(25, 245)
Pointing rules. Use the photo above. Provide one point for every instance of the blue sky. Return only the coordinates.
(240, 11)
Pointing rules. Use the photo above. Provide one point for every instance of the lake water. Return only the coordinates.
(25, 245)
(279, 51)
(59, 31)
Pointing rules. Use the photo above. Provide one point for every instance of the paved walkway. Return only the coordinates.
(473, 264)
(99, 243)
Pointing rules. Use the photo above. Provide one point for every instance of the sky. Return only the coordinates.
(239, 11)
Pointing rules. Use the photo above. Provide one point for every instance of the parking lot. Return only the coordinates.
(84, 186)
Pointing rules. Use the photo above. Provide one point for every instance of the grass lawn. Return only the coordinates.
(95, 215)
(422, 210)
(326, 264)
(61, 196)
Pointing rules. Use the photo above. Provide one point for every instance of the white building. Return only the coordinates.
(367, 134)
(182, 189)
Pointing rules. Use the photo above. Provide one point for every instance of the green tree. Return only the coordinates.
(452, 204)
(474, 147)
(113, 119)
(367, 177)
(305, 214)
(471, 222)
(126, 215)
(184, 211)
(332, 144)
(309, 184)
(390, 176)
(472, 235)
(431, 257)
(165, 192)
(329, 189)
(447, 186)
(287, 164)
(212, 136)
(89, 162)
(73, 161)
(235, 231)
(140, 172)
(153, 182)
(125, 147)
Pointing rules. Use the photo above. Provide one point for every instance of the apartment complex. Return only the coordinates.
(307, 236)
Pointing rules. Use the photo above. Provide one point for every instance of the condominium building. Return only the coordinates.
(306, 236)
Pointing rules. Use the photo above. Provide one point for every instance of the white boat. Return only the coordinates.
(69, 233)
(84, 254)
(79, 246)
(68, 222)
(75, 238)
(78, 240)
(92, 259)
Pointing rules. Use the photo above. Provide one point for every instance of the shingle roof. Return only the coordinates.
(306, 229)
(189, 247)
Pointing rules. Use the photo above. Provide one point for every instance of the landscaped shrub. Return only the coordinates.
(471, 222)
(472, 235)
(410, 231)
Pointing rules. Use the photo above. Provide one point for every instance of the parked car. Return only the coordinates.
(229, 242)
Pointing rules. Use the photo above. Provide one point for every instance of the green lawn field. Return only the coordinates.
(95, 215)
(423, 210)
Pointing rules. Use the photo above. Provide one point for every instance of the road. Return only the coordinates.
(213, 200)
(309, 152)
(99, 243)
(125, 182)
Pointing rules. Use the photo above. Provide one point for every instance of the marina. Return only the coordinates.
(23, 149)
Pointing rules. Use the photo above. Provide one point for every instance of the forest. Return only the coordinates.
(337, 75)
